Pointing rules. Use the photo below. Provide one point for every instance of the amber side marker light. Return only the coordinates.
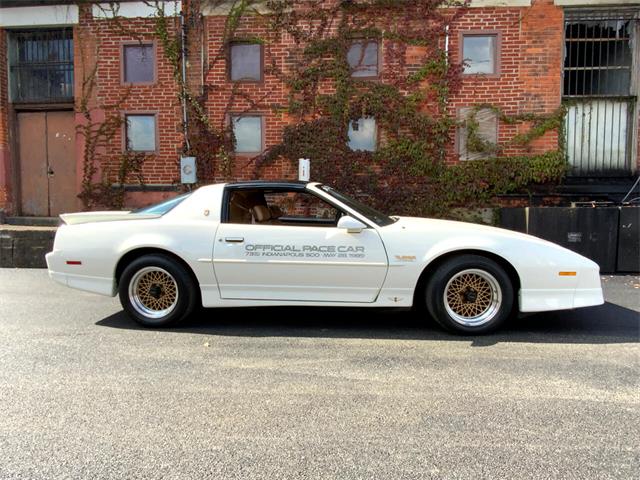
(567, 274)
(74, 262)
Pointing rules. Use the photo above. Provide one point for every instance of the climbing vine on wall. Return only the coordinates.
(409, 100)
(102, 186)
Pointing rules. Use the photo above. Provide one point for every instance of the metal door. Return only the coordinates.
(278, 262)
(46, 145)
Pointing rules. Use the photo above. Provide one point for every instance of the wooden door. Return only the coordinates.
(47, 163)
(61, 157)
(32, 147)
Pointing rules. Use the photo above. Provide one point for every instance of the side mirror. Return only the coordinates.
(350, 224)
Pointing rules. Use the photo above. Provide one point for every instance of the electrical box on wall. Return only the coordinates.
(304, 169)
(188, 169)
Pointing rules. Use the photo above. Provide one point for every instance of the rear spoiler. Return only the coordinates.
(92, 217)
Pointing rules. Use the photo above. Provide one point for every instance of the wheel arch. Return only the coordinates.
(136, 253)
(439, 260)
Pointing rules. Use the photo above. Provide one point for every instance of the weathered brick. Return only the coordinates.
(531, 45)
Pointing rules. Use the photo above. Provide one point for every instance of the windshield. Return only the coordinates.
(372, 214)
(162, 207)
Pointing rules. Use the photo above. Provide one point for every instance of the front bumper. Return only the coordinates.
(554, 299)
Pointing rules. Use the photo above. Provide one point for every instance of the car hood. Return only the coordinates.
(431, 225)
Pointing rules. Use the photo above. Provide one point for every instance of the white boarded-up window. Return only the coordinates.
(597, 137)
(363, 134)
(487, 130)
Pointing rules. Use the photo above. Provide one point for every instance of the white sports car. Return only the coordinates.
(295, 243)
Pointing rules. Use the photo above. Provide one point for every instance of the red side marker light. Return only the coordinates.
(74, 262)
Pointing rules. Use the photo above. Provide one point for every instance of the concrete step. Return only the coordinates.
(25, 246)
(34, 221)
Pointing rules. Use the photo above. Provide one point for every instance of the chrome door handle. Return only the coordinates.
(233, 239)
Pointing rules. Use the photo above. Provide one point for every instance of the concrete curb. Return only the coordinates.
(25, 247)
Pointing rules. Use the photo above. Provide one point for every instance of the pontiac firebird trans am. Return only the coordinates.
(294, 243)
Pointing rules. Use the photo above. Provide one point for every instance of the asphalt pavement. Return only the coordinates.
(313, 393)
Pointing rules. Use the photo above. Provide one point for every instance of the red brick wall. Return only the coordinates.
(530, 68)
(529, 80)
(5, 172)
(101, 41)
(225, 96)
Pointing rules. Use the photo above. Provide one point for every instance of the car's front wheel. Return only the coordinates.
(469, 294)
(156, 291)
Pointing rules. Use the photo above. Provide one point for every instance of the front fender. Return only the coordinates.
(550, 276)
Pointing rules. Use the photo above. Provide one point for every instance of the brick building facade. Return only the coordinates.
(100, 69)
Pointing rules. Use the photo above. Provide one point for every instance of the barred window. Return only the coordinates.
(41, 66)
(598, 55)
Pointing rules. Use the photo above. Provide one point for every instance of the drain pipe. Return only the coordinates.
(183, 38)
(446, 43)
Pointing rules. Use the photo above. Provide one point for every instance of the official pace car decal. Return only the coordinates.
(305, 251)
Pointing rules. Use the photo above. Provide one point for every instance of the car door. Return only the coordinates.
(295, 253)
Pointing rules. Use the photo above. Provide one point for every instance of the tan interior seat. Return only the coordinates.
(261, 214)
(239, 208)
(241, 204)
(276, 211)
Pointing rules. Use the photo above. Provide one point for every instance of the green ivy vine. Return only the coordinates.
(409, 101)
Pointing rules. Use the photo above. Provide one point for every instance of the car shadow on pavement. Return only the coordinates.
(607, 323)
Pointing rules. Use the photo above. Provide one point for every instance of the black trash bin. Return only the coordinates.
(514, 218)
(629, 240)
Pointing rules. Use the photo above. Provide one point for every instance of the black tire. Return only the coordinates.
(152, 282)
(479, 295)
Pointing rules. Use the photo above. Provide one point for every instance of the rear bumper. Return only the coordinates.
(88, 283)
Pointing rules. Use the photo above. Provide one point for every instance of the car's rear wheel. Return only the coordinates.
(469, 294)
(156, 291)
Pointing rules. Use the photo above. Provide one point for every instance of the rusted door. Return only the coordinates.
(47, 162)
(32, 145)
(61, 155)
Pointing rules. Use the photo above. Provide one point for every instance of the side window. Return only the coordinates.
(138, 63)
(362, 58)
(140, 133)
(480, 53)
(363, 134)
(247, 132)
(300, 207)
(245, 62)
(280, 207)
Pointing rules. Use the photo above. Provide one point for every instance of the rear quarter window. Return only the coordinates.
(162, 207)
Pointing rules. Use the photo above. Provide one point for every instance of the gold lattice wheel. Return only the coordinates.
(153, 292)
(472, 297)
